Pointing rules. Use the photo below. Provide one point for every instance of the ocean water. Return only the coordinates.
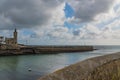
(17, 67)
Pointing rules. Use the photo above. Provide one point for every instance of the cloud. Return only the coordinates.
(45, 18)
(27, 13)
(87, 10)
(88, 31)
(92, 31)
(59, 33)
(37, 13)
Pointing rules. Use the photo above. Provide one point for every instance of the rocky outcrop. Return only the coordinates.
(84, 70)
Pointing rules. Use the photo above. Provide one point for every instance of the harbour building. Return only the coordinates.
(9, 43)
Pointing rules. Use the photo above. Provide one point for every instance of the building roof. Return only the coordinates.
(9, 38)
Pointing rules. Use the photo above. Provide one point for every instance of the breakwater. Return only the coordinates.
(99, 68)
(63, 49)
(45, 50)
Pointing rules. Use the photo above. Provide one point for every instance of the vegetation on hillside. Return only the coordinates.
(108, 71)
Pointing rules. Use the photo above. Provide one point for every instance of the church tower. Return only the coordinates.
(15, 35)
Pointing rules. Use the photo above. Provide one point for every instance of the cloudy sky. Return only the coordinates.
(62, 22)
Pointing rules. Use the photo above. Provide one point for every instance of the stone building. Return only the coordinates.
(11, 43)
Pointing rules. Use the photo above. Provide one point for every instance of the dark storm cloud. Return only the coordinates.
(86, 10)
(26, 13)
(30, 13)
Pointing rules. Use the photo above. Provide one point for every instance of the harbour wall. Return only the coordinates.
(58, 49)
(105, 67)
(45, 50)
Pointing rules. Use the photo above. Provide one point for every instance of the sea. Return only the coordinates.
(32, 67)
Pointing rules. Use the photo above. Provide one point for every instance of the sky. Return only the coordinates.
(61, 22)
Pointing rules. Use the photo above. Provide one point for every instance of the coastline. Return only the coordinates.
(90, 69)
